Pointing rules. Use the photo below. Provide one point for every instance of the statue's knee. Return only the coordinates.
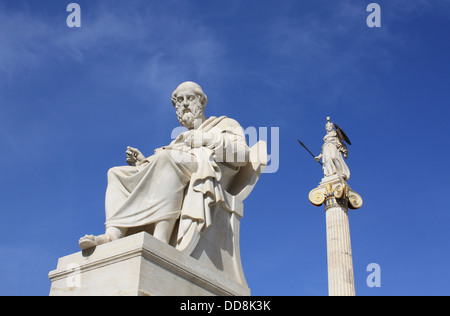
(179, 157)
(163, 156)
(112, 173)
(176, 160)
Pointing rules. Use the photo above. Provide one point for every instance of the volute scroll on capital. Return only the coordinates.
(338, 190)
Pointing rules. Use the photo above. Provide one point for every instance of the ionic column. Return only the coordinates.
(337, 197)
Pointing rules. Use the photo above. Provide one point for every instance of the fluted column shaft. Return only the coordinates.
(339, 252)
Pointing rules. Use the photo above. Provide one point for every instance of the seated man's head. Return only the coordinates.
(189, 102)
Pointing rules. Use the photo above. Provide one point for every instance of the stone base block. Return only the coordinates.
(138, 265)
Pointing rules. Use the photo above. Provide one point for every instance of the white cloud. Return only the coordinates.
(142, 50)
(156, 43)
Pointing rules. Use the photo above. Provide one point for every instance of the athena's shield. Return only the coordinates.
(342, 135)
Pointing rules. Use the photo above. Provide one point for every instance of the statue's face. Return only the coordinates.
(329, 127)
(188, 107)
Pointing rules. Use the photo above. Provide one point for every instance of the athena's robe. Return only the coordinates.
(333, 163)
(178, 181)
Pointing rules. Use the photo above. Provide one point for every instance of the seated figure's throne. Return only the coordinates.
(218, 246)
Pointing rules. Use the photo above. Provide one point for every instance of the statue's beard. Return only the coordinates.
(188, 118)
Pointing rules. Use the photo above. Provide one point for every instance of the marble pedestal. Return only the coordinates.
(138, 265)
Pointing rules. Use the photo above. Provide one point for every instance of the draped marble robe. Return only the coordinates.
(333, 163)
(178, 181)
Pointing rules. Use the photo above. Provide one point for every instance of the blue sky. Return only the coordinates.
(72, 99)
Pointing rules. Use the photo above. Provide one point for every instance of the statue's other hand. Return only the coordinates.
(134, 156)
(199, 139)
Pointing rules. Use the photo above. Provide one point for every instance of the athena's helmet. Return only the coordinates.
(329, 126)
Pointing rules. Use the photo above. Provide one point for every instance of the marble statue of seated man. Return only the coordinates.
(181, 182)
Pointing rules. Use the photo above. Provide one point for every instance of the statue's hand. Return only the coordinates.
(199, 139)
(134, 156)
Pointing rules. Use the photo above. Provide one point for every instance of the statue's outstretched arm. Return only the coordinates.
(318, 157)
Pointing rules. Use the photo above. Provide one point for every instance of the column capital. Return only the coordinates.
(335, 191)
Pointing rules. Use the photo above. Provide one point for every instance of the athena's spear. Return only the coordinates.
(309, 152)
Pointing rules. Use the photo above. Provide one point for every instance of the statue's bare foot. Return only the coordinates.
(88, 241)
